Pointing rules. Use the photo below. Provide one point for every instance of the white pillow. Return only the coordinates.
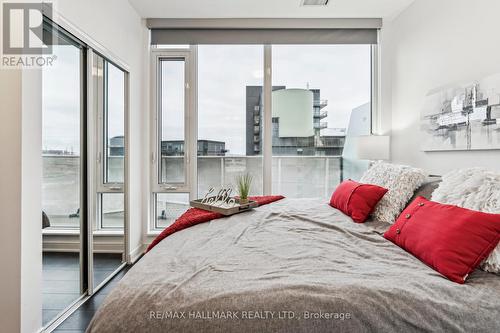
(476, 189)
(400, 180)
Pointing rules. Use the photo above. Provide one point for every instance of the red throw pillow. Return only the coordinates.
(450, 239)
(357, 200)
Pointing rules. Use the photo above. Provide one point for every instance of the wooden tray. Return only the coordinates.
(223, 209)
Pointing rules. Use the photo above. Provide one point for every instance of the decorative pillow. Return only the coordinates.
(427, 188)
(477, 189)
(356, 200)
(450, 239)
(400, 180)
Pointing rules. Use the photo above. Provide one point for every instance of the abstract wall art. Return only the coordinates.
(462, 116)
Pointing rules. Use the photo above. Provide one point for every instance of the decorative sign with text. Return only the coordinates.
(222, 199)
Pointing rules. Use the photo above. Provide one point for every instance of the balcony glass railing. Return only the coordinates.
(60, 192)
(293, 177)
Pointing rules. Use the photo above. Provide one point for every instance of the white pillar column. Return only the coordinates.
(20, 200)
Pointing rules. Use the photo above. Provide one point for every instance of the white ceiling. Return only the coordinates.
(267, 8)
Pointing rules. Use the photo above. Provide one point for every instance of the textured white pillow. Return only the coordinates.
(400, 180)
(476, 189)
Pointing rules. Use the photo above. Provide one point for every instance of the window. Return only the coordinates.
(215, 129)
(171, 155)
(169, 206)
(114, 124)
(230, 79)
(110, 96)
(112, 210)
(172, 126)
(315, 89)
(109, 112)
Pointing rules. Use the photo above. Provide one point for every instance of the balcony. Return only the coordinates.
(321, 103)
(293, 176)
(321, 125)
(61, 196)
(320, 114)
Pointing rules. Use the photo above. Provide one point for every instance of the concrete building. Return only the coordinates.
(297, 123)
(117, 146)
(205, 148)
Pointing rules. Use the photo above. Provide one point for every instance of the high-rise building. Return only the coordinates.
(297, 123)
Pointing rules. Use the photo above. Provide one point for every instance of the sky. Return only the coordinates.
(61, 101)
(341, 72)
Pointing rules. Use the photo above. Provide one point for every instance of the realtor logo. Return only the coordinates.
(23, 35)
(23, 28)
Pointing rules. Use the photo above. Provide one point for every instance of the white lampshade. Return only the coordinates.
(373, 147)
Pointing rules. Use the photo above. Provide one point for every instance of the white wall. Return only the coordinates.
(116, 25)
(430, 44)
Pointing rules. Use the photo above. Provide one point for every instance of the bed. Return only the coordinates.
(293, 266)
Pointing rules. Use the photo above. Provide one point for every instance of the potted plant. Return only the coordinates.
(244, 183)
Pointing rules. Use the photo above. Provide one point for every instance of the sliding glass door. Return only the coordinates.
(64, 173)
(85, 103)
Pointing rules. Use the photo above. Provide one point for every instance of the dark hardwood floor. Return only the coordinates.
(79, 320)
(61, 282)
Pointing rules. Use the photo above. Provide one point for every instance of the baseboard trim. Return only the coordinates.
(136, 253)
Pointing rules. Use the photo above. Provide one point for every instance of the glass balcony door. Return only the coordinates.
(64, 220)
(84, 192)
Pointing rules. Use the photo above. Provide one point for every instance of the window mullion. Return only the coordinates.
(267, 134)
(192, 123)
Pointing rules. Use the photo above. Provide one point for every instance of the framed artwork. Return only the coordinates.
(462, 116)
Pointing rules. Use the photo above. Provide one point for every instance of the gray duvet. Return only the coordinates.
(293, 266)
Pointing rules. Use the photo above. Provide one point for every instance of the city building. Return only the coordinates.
(297, 123)
(205, 148)
(117, 146)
